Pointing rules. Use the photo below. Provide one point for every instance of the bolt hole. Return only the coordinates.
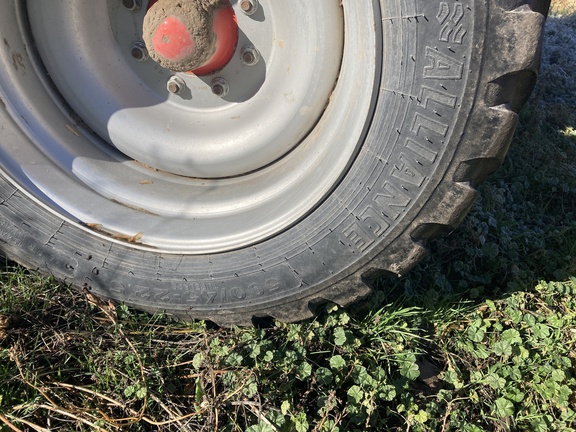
(131, 5)
(250, 55)
(139, 52)
(220, 87)
(249, 7)
(176, 85)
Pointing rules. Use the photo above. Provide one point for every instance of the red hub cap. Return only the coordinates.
(191, 35)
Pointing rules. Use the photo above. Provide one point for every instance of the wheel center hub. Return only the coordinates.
(199, 36)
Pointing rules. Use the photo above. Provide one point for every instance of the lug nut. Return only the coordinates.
(139, 51)
(132, 5)
(175, 85)
(249, 7)
(220, 87)
(249, 55)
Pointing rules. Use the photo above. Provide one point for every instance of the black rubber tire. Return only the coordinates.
(454, 75)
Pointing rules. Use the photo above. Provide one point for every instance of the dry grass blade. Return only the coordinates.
(8, 423)
(30, 425)
(71, 415)
(91, 392)
(174, 418)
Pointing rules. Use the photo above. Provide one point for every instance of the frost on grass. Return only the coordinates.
(559, 61)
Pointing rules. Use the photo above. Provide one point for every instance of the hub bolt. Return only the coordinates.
(220, 87)
(176, 85)
(249, 7)
(250, 55)
(132, 5)
(139, 51)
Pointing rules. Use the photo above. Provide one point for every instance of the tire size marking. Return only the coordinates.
(221, 292)
(226, 293)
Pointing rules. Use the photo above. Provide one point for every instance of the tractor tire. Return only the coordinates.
(267, 187)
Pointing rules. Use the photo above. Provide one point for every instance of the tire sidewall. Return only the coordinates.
(431, 63)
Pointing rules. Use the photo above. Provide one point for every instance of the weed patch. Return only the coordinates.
(73, 361)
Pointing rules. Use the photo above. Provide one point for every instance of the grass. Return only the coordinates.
(563, 7)
(485, 341)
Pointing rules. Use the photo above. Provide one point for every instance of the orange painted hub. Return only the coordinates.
(226, 29)
(183, 36)
(172, 40)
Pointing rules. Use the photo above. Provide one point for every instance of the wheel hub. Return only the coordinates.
(191, 35)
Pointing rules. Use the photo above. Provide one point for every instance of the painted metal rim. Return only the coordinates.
(69, 164)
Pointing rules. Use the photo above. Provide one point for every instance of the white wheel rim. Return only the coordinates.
(97, 185)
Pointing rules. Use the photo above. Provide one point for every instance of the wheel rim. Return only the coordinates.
(230, 199)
